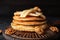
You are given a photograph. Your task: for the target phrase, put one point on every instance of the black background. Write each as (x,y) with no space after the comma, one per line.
(49,7)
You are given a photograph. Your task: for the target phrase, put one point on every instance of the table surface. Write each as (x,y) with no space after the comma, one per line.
(6,22)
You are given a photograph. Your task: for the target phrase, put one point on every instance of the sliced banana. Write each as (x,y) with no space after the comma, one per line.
(17,13)
(25,13)
(30,12)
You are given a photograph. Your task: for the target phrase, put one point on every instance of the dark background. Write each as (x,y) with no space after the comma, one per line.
(49,7)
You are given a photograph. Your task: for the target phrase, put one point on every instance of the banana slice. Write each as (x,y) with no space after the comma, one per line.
(30,12)
(25,13)
(18,13)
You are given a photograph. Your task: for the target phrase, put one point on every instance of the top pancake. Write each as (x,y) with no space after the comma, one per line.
(27,18)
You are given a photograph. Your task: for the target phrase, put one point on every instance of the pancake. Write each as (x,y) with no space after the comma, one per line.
(27,18)
(30,20)
(14,26)
(29,23)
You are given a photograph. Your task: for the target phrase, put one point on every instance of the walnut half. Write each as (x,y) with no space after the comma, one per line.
(39,30)
(9,31)
(54,29)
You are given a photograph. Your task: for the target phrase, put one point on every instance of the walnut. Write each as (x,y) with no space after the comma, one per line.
(0,31)
(39,30)
(9,31)
(54,29)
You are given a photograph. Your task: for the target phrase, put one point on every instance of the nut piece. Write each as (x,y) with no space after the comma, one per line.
(9,31)
(39,30)
(0,31)
(54,29)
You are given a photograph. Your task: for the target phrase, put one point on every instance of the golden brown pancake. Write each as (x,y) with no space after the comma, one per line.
(26,28)
(29,23)
(26,18)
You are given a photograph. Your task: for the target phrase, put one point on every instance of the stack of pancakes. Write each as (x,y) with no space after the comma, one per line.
(28,20)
